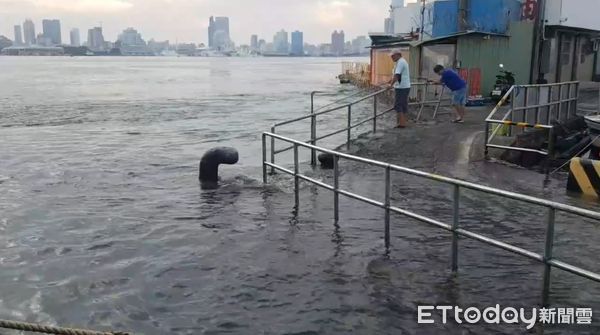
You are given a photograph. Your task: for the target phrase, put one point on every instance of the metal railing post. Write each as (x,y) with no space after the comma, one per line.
(272,149)
(336,188)
(487,139)
(388,193)
(550,105)
(576,98)
(598,99)
(296,178)
(349,126)
(569,108)
(525,102)
(512,109)
(548,255)
(375,114)
(264,157)
(551,144)
(455,222)
(313,129)
(422,99)
(560,100)
(439,103)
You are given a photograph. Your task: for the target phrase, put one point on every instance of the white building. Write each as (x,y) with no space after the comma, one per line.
(406,17)
(132,44)
(571,45)
(95,39)
(281,43)
(75,37)
(18,35)
(29,32)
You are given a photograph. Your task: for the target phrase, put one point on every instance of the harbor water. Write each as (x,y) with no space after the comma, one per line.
(103,224)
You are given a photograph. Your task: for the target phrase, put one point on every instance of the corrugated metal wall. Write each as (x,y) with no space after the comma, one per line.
(493,16)
(515,53)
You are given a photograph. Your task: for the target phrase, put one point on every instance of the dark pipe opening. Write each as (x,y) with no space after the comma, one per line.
(209,165)
(326,160)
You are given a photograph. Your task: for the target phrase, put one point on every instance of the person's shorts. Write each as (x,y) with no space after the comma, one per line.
(459,98)
(401,100)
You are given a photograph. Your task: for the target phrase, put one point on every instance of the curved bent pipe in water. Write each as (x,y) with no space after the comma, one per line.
(209,165)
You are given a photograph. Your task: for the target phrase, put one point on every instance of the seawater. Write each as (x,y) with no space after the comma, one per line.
(103,223)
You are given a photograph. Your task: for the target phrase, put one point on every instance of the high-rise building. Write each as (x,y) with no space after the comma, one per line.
(95,39)
(254,42)
(18,35)
(262,45)
(42,40)
(338,42)
(29,32)
(218,32)
(388,26)
(52,31)
(75,37)
(360,45)
(131,36)
(297,43)
(280,42)
(132,43)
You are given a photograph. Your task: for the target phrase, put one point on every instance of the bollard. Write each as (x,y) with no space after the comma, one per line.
(584,177)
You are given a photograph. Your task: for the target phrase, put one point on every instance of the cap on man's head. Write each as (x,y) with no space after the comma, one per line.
(396,53)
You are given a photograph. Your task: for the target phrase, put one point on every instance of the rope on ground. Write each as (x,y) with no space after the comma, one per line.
(577,155)
(31,327)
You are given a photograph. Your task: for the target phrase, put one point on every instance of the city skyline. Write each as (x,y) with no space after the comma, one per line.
(157,19)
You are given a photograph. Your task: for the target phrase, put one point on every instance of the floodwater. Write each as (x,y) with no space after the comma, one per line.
(103,224)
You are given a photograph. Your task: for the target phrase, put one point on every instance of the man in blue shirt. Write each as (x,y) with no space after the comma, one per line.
(459,90)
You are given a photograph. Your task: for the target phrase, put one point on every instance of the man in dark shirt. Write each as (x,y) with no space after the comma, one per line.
(459,90)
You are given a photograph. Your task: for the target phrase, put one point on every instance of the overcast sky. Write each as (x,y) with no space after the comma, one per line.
(187,20)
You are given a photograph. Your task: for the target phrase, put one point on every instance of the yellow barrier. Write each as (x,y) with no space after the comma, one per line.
(584,177)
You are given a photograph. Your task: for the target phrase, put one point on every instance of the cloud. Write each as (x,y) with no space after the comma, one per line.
(83,6)
(187,20)
(333,12)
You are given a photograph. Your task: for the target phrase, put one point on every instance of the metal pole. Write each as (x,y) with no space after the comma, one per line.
(549,111)
(422,97)
(598,99)
(548,255)
(375,114)
(272,149)
(264,157)
(296,178)
(551,143)
(576,98)
(487,138)
(349,126)
(313,129)
(512,104)
(336,187)
(437,107)
(569,102)
(560,99)
(525,102)
(388,192)
(455,223)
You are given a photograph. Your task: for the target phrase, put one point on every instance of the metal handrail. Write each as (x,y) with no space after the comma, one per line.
(546,258)
(348,106)
(509,121)
(333,109)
